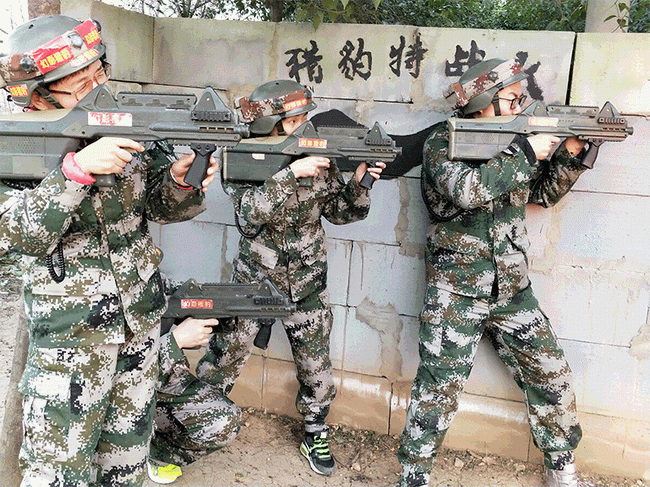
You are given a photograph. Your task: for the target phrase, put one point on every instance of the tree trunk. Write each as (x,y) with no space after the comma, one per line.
(276,10)
(37,8)
(12,432)
(599,10)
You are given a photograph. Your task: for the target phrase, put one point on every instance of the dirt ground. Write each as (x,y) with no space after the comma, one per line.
(266,451)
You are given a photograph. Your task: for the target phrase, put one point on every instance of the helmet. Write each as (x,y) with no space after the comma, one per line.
(478,87)
(271,102)
(45,50)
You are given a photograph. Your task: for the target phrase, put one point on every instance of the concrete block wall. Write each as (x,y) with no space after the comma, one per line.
(589,256)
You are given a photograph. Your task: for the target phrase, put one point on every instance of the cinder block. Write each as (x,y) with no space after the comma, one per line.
(614,446)
(399,405)
(386,277)
(280,388)
(603,375)
(203,251)
(339,254)
(397,217)
(132,61)
(490,426)
(622,79)
(361,402)
(247,391)
(200,52)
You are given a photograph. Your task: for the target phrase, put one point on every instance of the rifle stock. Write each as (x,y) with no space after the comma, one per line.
(257,159)
(33,143)
(228,302)
(484,138)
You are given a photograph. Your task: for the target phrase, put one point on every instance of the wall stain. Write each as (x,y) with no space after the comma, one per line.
(409,249)
(640,344)
(388,324)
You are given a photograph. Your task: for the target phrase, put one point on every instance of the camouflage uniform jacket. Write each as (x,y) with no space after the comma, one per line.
(292,248)
(174,368)
(483,247)
(111,262)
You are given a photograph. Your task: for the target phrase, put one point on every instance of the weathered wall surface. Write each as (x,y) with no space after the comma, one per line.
(589,260)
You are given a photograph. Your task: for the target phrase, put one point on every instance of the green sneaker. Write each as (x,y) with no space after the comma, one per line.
(163,474)
(315,448)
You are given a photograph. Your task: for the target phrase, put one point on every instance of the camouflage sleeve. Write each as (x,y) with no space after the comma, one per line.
(257,204)
(32,221)
(166,202)
(350,204)
(172,364)
(555,177)
(467,185)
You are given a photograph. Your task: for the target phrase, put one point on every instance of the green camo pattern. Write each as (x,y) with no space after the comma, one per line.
(98,328)
(291,250)
(477,283)
(192,418)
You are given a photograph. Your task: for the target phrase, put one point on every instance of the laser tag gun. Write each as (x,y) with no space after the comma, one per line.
(484,138)
(227,303)
(257,159)
(33,143)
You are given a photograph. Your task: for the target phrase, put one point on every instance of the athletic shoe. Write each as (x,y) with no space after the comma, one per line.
(163,474)
(315,448)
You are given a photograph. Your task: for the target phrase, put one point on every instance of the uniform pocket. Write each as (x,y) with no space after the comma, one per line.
(265,256)
(47,414)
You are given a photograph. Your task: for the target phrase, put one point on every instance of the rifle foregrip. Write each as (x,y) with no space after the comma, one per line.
(367,180)
(199,168)
(264,334)
(104,180)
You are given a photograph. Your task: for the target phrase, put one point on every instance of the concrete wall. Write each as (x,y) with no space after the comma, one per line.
(589,259)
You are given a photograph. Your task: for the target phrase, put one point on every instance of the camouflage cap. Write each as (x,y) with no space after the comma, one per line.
(491,75)
(46,49)
(273,101)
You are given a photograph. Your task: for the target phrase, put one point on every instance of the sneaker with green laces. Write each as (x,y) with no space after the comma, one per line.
(163,474)
(315,448)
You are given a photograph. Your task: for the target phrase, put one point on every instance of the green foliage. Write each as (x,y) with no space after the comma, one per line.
(634,17)
(488,14)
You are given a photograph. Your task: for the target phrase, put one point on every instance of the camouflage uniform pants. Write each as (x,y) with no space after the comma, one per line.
(88,414)
(450,330)
(192,424)
(308,330)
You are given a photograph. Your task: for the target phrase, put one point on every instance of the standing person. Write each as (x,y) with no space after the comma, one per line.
(478,281)
(289,247)
(93,293)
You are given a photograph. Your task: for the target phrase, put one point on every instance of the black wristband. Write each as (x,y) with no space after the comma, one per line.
(524,145)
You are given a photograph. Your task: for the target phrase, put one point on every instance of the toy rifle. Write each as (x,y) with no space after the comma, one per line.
(484,138)
(33,143)
(257,159)
(228,302)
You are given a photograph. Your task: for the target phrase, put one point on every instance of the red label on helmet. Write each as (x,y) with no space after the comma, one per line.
(196,304)
(88,31)
(292,105)
(313,143)
(18,90)
(110,119)
(52,55)
(84,57)
(59,51)
(542,122)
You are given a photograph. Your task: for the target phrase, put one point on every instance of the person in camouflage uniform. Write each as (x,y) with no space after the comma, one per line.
(93,293)
(192,418)
(477,276)
(290,248)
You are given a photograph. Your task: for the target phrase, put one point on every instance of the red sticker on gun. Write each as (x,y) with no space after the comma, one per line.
(313,143)
(109,118)
(196,304)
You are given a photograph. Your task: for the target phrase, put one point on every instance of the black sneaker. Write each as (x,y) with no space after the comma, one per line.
(315,448)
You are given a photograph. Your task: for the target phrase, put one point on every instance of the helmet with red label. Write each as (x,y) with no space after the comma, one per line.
(479,86)
(271,102)
(45,50)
